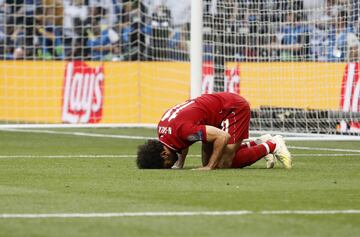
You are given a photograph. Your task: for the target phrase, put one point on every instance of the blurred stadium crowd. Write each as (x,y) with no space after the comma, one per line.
(119,30)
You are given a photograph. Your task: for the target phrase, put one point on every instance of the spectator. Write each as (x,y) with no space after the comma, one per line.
(161,27)
(135,30)
(321,23)
(341,43)
(76,22)
(112,8)
(354,10)
(22,13)
(2,30)
(292,36)
(346,45)
(14,38)
(314,10)
(50,30)
(170,29)
(102,39)
(180,10)
(18,40)
(353,48)
(2,20)
(318,42)
(178,44)
(128,30)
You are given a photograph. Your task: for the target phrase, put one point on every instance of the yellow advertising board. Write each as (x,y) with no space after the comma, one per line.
(140,92)
(162,85)
(131,92)
(310,85)
(31,91)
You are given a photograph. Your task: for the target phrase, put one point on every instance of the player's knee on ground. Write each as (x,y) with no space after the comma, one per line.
(228,155)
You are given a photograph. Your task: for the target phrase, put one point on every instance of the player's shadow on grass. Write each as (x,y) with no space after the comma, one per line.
(193,168)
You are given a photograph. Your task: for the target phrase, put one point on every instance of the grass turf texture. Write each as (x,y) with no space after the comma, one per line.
(114,184)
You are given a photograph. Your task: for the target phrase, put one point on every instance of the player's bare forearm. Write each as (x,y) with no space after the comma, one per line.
(219,140)
(219,145)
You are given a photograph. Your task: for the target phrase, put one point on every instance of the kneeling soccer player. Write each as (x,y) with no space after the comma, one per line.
(221,122)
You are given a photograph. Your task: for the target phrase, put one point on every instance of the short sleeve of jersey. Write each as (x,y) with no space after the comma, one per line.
(192,133)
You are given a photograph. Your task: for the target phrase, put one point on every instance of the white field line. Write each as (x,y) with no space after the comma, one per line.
(71,156)
(84,134)
(322,149)
(66,156)
(107,125)
(171,214)
(326,155)
(145,138)
(297,136)
(304,137)
(292,136)
(338,138)
(134,156)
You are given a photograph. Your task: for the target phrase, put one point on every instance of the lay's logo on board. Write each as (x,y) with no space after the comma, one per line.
(83,93)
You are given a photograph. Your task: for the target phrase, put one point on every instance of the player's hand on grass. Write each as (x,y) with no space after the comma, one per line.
(177,166)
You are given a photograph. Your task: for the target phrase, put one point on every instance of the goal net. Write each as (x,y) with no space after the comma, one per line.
(295,61)
(108,62)
(94,62)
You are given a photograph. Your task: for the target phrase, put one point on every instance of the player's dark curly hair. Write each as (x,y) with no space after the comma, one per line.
(148,155)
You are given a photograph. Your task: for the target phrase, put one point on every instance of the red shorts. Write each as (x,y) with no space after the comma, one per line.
(237,123)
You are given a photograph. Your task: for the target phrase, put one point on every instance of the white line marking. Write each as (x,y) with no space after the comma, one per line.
(310,212)
(87,125)
(296,136)
(30,130)
(67,156)
(185,213)
(322,149)
(80,134)
(70,156)
(134,156)
(309,155)
(146,137)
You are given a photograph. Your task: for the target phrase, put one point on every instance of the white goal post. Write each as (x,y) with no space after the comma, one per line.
(196,53)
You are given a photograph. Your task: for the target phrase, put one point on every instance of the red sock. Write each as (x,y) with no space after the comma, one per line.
(270,146)
(246,156)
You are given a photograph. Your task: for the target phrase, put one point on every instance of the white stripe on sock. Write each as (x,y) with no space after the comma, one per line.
(266,147)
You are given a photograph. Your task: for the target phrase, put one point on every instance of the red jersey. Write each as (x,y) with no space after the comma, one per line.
(184,124)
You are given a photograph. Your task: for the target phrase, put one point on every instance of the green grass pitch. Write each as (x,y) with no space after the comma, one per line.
(61,172)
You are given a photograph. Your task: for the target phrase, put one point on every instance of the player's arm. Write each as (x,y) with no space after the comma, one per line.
(219,139)
(179,164)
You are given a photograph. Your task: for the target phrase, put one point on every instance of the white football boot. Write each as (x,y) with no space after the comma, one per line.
(281,152)
(269,158)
